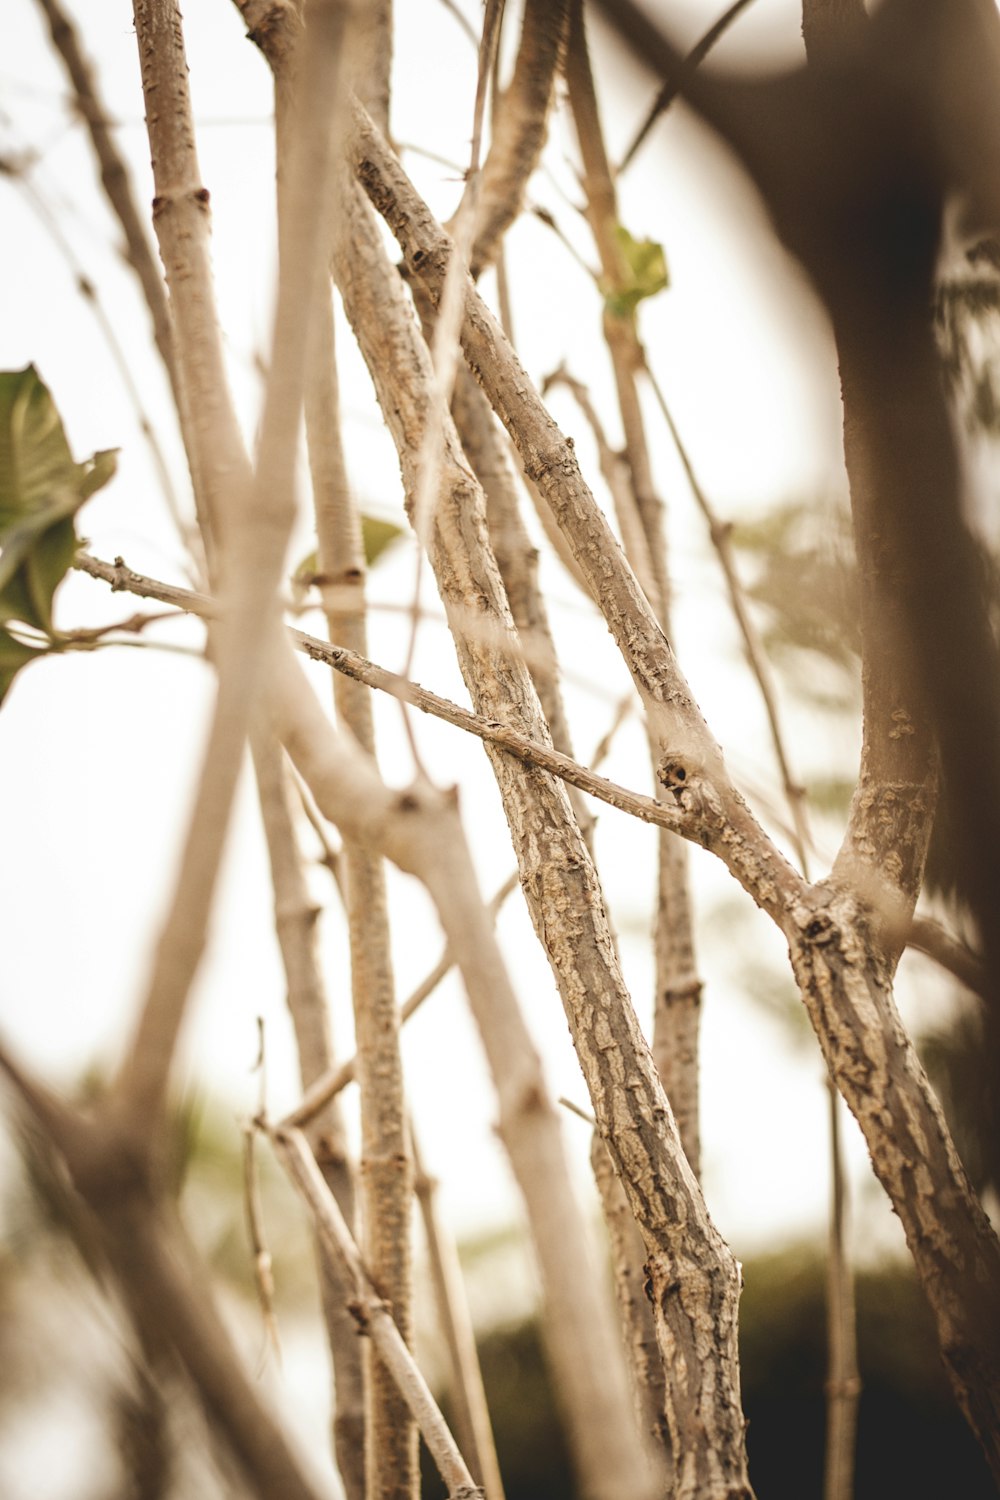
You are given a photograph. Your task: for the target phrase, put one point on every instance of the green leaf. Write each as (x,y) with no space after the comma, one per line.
(646,266)
(377,536)
(14,655)
(41,489)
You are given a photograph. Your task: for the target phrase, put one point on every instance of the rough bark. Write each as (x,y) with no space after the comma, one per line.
(717,818)
(390,1457)
(694,1280)
(520,122)
(295,921)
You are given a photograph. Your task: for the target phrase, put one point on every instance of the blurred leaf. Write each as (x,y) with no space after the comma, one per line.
(378,536)
(646,263)
(957,1060)
(968,328)
(41,489)
(805,581)
(14,655)
(831,794)
(303,578)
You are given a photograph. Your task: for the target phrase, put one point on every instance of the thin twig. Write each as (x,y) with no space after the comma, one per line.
(371,1313)
(928,936)
(472,1417)
(446,351)
(337,1079)
(673,86)
(721,537)
(534,752)
(263,1274)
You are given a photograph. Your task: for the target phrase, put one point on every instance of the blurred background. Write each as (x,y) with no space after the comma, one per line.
(99,751)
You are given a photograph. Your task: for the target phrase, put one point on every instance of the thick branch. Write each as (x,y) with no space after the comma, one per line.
(567,909)
(727,829)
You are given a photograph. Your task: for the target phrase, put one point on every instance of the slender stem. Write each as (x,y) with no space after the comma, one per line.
(678,988)
(295,923)
(333,1082)
(472,1417)
(520,119)
(389,1451)
(117,183)
(672,87)
(925,934)
(251,515)
(372,1313)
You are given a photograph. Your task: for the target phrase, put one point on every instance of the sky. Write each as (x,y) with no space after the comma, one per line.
(99,752)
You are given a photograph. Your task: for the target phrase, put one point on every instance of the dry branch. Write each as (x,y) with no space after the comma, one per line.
(372,1313)
(567,909)
(519,126)
(832,931)
(386,1170)
(295,923)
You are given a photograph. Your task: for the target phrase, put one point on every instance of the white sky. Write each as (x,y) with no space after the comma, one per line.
(99,751)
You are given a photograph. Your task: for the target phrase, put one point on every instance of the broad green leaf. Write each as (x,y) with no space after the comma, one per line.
(646,263)
(41,489)
(14,655)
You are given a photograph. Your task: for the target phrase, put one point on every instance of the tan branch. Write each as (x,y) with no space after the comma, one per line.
(252,515)
(829,930)
(372,1314)
(472,1417)
(533,752)
(520,122)
(295,923)
(567,909)
(386,1171)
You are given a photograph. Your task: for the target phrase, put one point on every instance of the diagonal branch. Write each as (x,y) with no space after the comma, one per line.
(371,1312)
(832,932)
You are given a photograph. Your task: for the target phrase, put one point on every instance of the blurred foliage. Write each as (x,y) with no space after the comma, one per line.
(645,264)
(801,556)
(731,931)
(912,1439)
(205,1173)
(41,490)
(967,315)
(957,1060)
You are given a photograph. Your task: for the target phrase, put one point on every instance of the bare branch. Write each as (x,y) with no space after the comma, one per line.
(252,516)
(472,1417)
(520,123)
(672,87)
(372,1314)
(295,923)
(532,751)
(834,947)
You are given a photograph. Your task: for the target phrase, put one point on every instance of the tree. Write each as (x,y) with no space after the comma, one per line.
(857,192)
